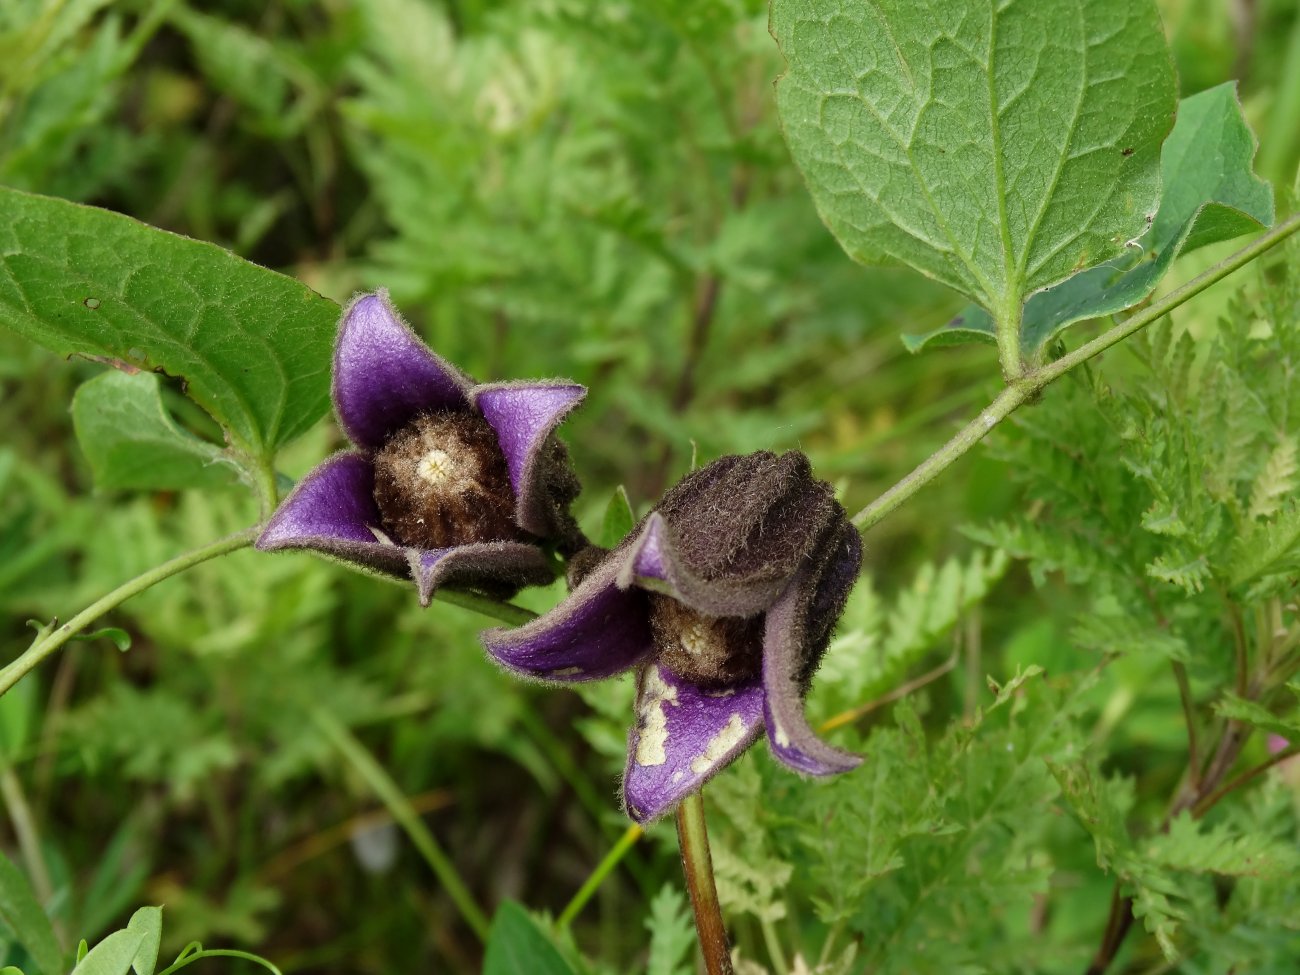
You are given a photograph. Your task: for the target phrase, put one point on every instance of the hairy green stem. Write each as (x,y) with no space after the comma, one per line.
(1030,384)
(934,465)
(201,953)
(265,486)
(693,839)
(405,816)
(507,613)
(50,640)
(1007,330)
(603,870)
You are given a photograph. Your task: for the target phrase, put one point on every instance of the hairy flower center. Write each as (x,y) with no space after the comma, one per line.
(436,467)
(442,480)
(711,651)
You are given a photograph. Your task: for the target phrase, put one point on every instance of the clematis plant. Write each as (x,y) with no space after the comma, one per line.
(449,482)
(723,598)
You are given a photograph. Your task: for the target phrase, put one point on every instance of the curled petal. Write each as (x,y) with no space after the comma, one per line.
(684,735)
(495,567)
(785,664)
(654,560)
(598,631)
(524,415)
(332,510)
(384,376)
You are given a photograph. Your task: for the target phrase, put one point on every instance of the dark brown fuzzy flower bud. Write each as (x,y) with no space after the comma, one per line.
(442,480)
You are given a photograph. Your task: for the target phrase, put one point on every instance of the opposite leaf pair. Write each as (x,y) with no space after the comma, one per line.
(723,598)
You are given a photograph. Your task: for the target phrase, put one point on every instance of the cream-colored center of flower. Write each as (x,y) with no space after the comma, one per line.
(699,639)
(436,467)
(442,480)
(711,651)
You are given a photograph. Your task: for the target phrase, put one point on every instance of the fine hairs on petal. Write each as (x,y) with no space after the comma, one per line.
(497,570)
(384,375)
(798,628)
(747,556)
(682,737)
(436,491)
(525,415)
(598,631)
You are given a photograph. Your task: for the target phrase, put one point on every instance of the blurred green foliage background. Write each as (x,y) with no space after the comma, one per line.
(599,190)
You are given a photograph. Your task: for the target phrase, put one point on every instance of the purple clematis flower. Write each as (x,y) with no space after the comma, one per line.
(450,482)
(723,598)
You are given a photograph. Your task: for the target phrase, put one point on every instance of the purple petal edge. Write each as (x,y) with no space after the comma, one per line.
(331,511)
(684,735)
(385,376)
(524,415)
(432,568)
(651,558)
(791,738)
(599,630)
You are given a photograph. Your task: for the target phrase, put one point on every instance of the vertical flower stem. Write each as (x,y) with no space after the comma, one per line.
(399,806)
(693,839)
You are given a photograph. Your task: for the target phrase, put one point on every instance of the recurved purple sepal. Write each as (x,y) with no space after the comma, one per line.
(332,510)
(524,415)
(598,631)
(684,734)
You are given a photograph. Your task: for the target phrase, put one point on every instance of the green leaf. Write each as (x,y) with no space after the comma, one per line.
(131,441)
(252,346)
(112,956)
(1210,194)
(997,148)
(22,914)
(1101,805)
(618,519)
(517,946)
(1191,846)
(147,921)
(1239,709)
(1266,547)
(11,970)
(1116,631)
(672,933)
(121,639)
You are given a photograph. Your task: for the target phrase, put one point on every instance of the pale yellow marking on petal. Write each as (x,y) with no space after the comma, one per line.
(779,736)
(720,744)
(653,733)
(566,672)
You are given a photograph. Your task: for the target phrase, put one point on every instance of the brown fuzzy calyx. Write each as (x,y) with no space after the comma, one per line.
(442,480)
(711,651)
